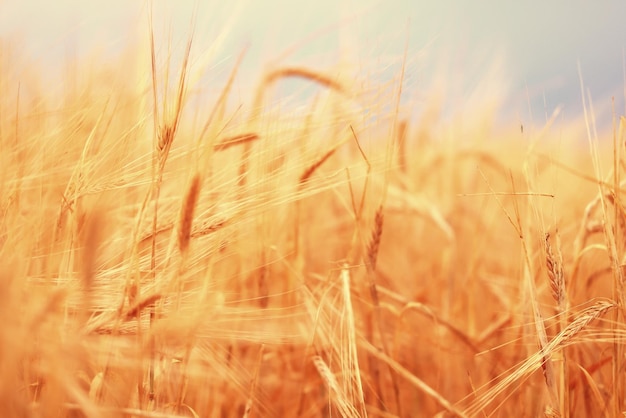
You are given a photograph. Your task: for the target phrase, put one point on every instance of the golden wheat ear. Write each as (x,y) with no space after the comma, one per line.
(187,213)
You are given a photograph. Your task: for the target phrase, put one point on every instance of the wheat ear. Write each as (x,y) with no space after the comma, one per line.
(186,214)
(554,265)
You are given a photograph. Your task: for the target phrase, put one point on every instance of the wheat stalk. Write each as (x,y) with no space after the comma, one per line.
(535,361)
(338,397)
(253,384)
(554,265)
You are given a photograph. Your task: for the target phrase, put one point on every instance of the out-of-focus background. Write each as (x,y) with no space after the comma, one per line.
(525,55)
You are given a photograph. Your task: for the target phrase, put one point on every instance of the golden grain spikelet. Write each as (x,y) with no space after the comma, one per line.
(186,215)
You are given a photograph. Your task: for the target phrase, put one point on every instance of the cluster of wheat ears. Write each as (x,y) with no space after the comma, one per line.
(159,259)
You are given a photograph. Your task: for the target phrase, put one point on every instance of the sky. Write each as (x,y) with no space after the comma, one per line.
(534,49)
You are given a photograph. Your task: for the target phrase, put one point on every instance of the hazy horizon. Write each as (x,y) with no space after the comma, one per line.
(531,50)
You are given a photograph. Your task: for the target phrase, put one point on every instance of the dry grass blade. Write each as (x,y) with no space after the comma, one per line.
(235,140)
(91,242)
(136,309)
(351,358)
(309,171)
(255,379)
(437,320)
(338,397)
(413,380)
(546,362)
(595,391)
(401,201)
(402,151)
(220,105)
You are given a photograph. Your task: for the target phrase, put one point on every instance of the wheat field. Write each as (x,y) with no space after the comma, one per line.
(164,257)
